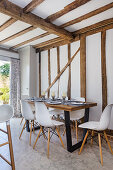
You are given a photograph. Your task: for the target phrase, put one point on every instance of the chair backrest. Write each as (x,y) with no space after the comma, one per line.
(6,113)
(26,110)
(42,114)
(105,117)
(111,120)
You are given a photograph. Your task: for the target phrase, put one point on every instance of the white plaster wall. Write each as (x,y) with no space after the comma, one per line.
(33,72)
(44,71)
(93,74)
(29,74)
(25,70)
(64,77)
(109,65)
(75,71)
(53,66)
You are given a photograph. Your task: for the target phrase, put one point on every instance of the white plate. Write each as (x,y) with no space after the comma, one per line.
(76,103)
(54,102)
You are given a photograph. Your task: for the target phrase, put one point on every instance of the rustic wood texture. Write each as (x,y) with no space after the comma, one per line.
(32,5)
(83,66)
(89,30)
(30,40)
(16,12)
(58,66)
(66,9)
(103,69)
(17,34)
(69,75)
(49,72)
(88,15)
(7,24)
(95,26)
(61,72)
(39,74)
(43,44)
(69,107)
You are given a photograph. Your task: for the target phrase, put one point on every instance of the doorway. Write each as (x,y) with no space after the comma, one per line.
(4,82)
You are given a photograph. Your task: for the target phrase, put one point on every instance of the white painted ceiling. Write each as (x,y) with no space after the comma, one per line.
(47,8)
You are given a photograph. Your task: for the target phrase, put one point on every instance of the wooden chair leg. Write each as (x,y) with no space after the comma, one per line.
(10,147)
(83,143)
(22,130)
(33,127)
(30,133)
(108,142)
(77,130)
(60,137)
(100,147)
(37,137)
(92,134)
(48,142)
(21,120)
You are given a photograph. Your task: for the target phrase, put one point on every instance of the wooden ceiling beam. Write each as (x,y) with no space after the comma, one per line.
(88,15)
(32,5)
(45,43)
(68,8)
(93,29)
(7,24)
(30,40)
(94,26)
(17,12)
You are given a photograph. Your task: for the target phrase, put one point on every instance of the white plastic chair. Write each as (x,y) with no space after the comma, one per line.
(27,113)
(6,113)
(77,115)
(24,97)
(99,127)
(44,119)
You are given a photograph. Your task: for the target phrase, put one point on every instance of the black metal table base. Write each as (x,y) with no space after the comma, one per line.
(28,128)
(71,147)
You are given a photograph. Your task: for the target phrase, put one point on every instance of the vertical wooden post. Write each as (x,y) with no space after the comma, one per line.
(103,69)
(83,65)
(69,77)
(58,66)
(39,74)
(49,72)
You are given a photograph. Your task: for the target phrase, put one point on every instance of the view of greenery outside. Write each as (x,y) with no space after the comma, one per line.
(4,82)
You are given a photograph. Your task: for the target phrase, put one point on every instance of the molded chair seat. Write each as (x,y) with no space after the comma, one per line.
(91,125)
(6,113)
(100,127)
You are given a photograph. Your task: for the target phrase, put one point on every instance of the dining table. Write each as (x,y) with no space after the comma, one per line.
(68,106)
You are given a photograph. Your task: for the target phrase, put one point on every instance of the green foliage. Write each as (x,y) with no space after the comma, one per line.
(5,96)
(5,69)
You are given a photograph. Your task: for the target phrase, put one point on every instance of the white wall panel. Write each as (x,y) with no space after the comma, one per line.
(44,70)
(53,65)
(64,76)
(109,63)
(75,71)
(93,74)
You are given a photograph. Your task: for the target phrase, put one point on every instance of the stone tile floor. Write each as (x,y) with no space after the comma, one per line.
(28,159)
